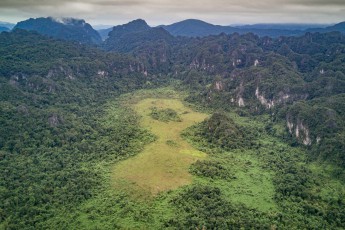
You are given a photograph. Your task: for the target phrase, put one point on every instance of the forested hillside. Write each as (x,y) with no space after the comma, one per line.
(270,154)
(261,75)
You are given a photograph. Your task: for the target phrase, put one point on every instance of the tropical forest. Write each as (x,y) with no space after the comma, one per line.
(148,129)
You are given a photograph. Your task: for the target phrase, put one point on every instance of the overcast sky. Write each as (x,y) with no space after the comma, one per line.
(156,12)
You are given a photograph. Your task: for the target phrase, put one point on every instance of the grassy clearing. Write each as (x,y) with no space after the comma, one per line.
(162,165)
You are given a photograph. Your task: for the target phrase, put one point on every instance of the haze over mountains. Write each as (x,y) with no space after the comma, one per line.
(79,30)
(4,29)
(7,25)
(198,28)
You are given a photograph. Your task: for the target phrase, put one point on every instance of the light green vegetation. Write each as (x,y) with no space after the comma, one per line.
(252,185)
(163,164)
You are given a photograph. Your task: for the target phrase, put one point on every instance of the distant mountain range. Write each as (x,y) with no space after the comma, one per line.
(67,29)
(79,30)
(7,25)
(285,26)
(198,28)
(2,28)
(337,27)
(104,33)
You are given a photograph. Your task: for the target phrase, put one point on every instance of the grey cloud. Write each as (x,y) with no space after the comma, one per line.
(167,11)
(38,3)
(23,3)
(119,3)
(318,2)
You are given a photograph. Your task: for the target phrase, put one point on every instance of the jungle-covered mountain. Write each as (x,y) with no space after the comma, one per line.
(65,28)
(63,122)
(127,37)
(117,32)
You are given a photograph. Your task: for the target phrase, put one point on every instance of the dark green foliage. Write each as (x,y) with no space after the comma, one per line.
(53,134)
(296,194)
(27,53)
(211,169)
(151,45)
(172,143)
(297,189)
(204,207)
(47,166)
(164,115)
(324,118)
(221,131)
(48,154)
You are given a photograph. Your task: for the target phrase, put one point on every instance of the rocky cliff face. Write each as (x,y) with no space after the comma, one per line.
(300,131)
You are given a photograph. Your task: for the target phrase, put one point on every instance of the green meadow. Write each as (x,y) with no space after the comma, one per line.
(163,164)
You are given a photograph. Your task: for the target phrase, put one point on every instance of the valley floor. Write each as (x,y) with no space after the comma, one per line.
(164,163)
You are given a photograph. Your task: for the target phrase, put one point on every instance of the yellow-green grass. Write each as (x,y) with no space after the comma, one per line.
(162,165)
